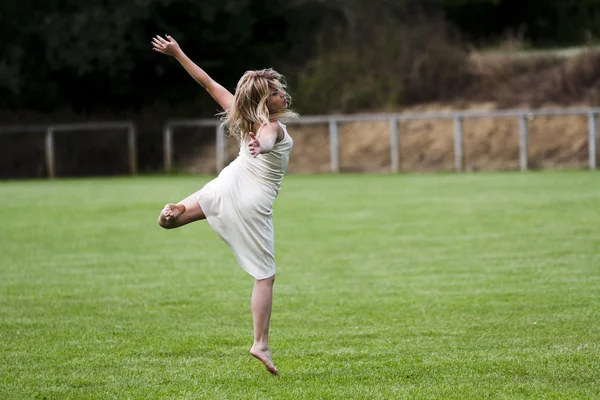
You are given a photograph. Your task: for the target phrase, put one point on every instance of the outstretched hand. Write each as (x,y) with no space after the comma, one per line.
(254,145)
(166,46)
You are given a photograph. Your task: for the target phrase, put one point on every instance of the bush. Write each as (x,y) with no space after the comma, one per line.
(395,63)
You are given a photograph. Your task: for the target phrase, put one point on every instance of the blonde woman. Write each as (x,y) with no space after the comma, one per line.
(238,203)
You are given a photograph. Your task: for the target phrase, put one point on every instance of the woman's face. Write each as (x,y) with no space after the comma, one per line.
(277,100)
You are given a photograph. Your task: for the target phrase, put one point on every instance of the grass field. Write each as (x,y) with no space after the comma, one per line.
(389,286)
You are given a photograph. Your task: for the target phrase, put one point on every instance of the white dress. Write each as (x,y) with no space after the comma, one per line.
(238,205)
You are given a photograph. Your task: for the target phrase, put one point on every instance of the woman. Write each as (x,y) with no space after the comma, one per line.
(238,203)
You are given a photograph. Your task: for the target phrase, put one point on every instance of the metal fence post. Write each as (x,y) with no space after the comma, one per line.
(132,143)
(592,139)
(458,143)
(334,142)
(49,150)
(220,148)
(168,148)
(523,142)
(394,144)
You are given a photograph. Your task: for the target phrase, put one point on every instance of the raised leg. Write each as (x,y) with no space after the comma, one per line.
(186,211)
(262,301)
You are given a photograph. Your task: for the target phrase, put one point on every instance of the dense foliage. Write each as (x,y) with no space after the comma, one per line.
(95,56)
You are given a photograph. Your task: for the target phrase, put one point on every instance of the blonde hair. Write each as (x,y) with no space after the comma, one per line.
(250,103)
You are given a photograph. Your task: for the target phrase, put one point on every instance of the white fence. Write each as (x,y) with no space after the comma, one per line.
(523,117)
(51,130)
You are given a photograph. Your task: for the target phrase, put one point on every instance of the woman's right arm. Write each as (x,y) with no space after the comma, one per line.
(170,47)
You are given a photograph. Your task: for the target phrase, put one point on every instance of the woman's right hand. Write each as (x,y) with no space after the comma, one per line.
(168,46)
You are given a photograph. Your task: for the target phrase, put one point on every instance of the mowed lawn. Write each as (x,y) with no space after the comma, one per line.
(389,287)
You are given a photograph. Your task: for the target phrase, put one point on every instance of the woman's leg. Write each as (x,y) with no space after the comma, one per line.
(186,211)
(262,301)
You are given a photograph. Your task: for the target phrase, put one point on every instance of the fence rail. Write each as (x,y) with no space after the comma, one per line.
(523,117)
(332,121)
(51,130)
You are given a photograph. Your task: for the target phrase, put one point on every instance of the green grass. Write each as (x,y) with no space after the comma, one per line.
(389,286)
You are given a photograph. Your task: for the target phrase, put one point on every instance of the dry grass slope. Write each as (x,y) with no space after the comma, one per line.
(498,82)
(490,144)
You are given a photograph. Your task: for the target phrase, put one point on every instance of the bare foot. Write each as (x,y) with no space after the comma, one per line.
(265,357)
(171,212)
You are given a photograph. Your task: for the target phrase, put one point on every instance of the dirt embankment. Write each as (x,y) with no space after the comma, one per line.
(487,83)
(428,145)
(507,81)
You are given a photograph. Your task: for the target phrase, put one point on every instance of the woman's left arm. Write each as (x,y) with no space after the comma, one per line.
(266,140)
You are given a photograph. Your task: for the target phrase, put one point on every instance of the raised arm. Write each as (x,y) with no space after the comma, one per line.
(170,47)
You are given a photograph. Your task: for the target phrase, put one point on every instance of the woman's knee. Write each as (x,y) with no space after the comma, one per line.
(266,281)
